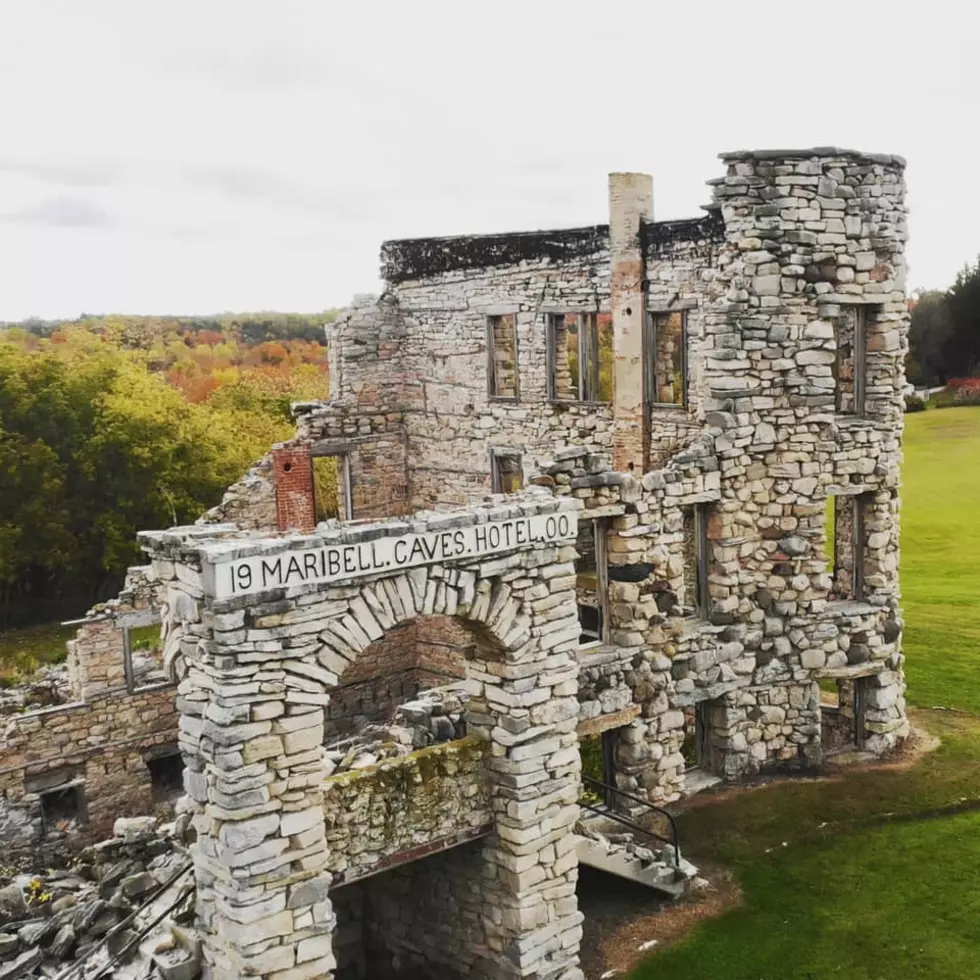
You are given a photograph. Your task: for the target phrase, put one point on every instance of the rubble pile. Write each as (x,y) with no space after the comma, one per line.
(433,716)
(97,917)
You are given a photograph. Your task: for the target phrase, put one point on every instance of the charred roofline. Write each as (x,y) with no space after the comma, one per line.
(404,259)
(419,258)
(659,237)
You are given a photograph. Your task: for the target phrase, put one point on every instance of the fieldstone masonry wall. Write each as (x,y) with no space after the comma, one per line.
(721,613)
(69,770)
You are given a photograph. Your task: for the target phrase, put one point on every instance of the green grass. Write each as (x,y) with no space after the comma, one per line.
(23,651)
(940,552)
(873,875)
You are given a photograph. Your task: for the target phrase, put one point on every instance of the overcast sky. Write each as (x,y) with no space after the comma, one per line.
(194,157)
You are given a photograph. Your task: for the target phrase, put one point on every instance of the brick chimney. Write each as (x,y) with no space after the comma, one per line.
(630,204)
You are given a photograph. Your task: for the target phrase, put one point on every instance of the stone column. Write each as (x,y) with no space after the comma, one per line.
(630,204)
(525,703)
(251,730)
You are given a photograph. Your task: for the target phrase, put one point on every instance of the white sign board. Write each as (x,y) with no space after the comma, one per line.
(342,562)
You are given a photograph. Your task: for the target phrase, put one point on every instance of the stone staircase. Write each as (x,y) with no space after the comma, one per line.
(661,873)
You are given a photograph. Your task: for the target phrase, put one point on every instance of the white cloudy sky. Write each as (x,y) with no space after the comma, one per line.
(209,155)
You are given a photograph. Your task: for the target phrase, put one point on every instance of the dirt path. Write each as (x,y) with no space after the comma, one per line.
(625,921)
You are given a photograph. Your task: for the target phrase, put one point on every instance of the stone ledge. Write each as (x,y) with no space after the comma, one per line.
(605,723)
(858,670)
(604,653)
(415,853)
(888,159)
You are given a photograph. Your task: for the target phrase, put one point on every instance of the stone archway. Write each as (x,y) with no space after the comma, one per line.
(280,620)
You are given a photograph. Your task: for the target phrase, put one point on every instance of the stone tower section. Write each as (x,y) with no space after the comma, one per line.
(630,205)
(805,341)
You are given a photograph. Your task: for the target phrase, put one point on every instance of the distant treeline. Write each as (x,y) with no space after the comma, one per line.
(944,341)
(249,328)
(111,425)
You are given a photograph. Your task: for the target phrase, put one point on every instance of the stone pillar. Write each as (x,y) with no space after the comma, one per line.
(251,731)
(533,926)
(630,204)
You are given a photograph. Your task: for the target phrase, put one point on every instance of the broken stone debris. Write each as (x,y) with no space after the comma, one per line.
(433,716)
(94,911)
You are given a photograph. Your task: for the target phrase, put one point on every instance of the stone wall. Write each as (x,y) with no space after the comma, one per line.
(414,918)
(399,811)
(67,771)
(97,753)
(722,615)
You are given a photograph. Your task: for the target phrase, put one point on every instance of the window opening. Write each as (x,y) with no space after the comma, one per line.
(332,487)
(507,473)
(850,333)
(143,657)
(845,535)
(502,356)
(166,775)
(62,807)
(696,594)
(666,359)
(590,582)
(581,358)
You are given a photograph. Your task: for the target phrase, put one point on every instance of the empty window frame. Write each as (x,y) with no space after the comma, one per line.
(506,471)
(666,359)
(591,582)
(845,545)
(332,498)
(502,376)
(581,359)
(63,807)
(143,657)
(696,747)
(696,595)
(850,365)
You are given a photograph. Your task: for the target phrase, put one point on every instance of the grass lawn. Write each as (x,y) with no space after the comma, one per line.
(940,549)
(23,651)
(873,875)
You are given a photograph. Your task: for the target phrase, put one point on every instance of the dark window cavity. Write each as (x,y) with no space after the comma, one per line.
(591,582)
(696,595)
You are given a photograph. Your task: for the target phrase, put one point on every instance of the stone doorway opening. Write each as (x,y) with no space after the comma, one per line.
(700,755)
(413,922)
(843,715)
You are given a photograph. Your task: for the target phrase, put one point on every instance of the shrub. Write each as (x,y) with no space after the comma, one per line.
(960,391)
(913,403)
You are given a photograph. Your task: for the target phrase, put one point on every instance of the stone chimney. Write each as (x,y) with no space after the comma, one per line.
(630,204)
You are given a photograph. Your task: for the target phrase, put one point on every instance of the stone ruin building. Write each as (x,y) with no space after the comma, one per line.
(627,493)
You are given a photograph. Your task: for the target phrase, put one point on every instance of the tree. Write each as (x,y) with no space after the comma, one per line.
(928,334)
(961,348)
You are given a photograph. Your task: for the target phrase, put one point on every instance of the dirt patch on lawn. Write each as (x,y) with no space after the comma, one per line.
(625,922)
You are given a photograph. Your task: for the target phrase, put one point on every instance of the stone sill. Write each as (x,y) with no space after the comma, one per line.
(605,723)
(694,626)
(857,670)
(846,608)
(599,654)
